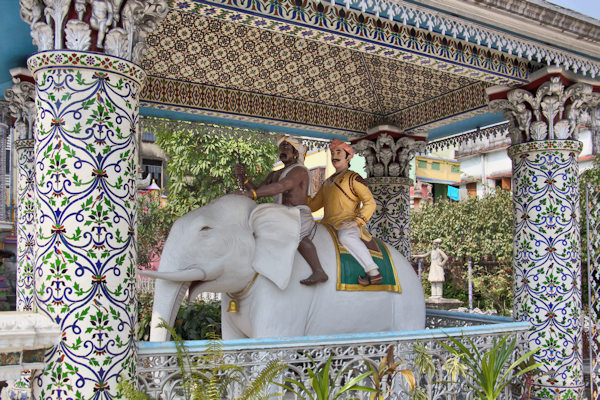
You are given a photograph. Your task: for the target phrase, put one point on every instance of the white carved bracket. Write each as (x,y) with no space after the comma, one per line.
(21,103)
(554,112)
(389,157)
(121,27)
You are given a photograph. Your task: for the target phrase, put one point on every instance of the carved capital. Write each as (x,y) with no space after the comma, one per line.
(388,157)
(120,27)
(552,112)
(21,103)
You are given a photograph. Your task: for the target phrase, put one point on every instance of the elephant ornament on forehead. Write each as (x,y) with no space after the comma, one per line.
(248,252)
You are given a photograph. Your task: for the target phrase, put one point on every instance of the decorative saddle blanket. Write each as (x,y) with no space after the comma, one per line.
(348,269)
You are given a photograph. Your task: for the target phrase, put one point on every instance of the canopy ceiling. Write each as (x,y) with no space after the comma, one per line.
(328,68)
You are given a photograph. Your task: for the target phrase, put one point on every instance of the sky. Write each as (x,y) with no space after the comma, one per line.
(587,7)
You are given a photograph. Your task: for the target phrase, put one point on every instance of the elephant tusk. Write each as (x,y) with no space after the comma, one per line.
(191,274)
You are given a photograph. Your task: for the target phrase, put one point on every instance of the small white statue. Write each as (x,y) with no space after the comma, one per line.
(102,17)
(436,269)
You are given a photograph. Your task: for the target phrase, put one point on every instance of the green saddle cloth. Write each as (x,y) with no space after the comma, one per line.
(348,269)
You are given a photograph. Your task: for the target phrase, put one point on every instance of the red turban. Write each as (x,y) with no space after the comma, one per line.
(344,146)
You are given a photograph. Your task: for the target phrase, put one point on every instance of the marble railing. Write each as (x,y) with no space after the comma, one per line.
(159,374)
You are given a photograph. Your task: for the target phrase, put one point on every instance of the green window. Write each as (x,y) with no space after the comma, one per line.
(435,166)
(455,169)
(422,164)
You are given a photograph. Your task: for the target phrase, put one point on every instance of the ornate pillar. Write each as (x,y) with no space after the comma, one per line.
(544,121)
(21,98)
(85,172)
(388,154)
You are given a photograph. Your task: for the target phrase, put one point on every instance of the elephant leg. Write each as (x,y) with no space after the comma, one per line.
(168,296)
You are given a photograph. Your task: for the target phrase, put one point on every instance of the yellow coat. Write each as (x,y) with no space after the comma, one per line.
(342,197)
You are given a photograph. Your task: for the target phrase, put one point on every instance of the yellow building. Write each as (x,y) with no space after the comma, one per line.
(440,172)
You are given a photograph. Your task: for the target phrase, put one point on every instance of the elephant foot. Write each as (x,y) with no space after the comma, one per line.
(316,277)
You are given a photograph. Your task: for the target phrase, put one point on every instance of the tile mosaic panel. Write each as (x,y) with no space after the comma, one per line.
(391,220)
(25,226)
(85,183)
(547,265)
(337,25)
(593,248)
(245,58)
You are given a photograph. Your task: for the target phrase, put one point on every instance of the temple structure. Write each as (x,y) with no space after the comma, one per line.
(387,75)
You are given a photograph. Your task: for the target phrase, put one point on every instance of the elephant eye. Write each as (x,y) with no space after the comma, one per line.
(206,228)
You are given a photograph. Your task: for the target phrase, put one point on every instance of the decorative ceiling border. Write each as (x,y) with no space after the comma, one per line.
(442,107)
(204,99)
(195,98)
(500,130)
(334,25)
(385,14)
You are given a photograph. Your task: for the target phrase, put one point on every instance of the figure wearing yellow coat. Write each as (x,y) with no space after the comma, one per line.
(341,197)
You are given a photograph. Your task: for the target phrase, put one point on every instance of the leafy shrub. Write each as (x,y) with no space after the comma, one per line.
(476,228)
(199,320)
(195,321)
(154,224)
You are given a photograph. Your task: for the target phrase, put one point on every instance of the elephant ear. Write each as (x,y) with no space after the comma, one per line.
(277,234)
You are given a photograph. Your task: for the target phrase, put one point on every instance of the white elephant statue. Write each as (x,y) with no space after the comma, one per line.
(238,248)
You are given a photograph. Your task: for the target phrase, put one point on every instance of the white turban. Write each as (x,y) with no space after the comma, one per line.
(297,145)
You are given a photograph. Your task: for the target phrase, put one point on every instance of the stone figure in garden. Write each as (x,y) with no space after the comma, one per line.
(436,269)
(290,187)
(348,204)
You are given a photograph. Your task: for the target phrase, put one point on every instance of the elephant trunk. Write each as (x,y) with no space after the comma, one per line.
(168,296)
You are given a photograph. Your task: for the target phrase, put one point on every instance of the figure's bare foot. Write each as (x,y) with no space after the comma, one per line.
(316,277)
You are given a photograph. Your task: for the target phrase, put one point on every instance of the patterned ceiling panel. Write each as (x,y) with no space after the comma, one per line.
(207,51)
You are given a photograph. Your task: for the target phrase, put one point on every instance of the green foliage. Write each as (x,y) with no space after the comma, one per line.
(126,389)
(592,177)
(195,321)
(489,370)
(479,228)
(322,387)
(199,320)
(144,309)
(153,224)
(200,164)
(209,377)
(386,372)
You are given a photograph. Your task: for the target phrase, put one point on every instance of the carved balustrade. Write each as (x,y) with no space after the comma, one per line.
(158,372)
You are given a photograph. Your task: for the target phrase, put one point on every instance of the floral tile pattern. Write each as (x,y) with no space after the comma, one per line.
(547,273)
(25,226)
(86,164)
(391,220)
(242,70)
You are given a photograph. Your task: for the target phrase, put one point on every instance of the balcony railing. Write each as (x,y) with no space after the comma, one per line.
(159,376)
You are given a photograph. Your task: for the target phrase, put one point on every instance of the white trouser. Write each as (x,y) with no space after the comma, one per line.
(350,239)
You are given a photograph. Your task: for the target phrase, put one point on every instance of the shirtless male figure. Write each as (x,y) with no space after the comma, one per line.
(290,188)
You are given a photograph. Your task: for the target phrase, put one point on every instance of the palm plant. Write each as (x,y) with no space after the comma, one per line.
(488,370)
(385,374)
(209,377)
(322,387)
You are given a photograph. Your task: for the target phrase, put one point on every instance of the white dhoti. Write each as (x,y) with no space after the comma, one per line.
(350,239)
(307,223)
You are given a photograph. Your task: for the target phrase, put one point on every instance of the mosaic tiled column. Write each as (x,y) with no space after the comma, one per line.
(547,271)
(85,175)
(390,221)
(388,155)
(25,225)
(544,117)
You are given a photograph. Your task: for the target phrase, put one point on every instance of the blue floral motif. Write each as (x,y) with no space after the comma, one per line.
(86,166)
(546,264)
(391,221)
(25,226)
